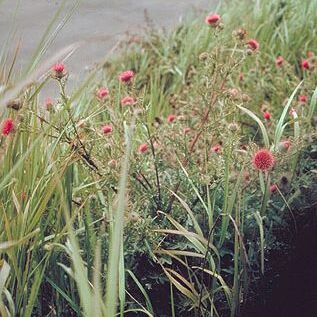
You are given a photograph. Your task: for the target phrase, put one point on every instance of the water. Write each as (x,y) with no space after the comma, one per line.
(93,18)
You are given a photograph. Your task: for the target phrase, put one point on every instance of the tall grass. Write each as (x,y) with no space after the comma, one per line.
(77,230)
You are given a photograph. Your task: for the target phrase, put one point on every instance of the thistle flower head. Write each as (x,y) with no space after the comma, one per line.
(171,118)
(7,127)
(305,64)
(263,160)
(58,71)
(106,129)
(128,101)
(126,76)
(213,19)
(216,148)
(102,93)
(279,61)
(143,148)
(253,44)
(267,115)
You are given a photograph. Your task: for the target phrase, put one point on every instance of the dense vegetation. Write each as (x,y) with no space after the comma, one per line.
(169,173)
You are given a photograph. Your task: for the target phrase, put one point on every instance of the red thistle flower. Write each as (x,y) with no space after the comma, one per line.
(263,160)
(279,61)
(273,188)
(171,118)
(267,115)
(102,93)
(216,148)
(212,19)
(253,44)
(127,101)
(305,64)
(126,76)
(143,148)
(302,99)
(7,127)
(106,129)
(49,103)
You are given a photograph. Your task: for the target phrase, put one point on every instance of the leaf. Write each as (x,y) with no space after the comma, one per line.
(260,123)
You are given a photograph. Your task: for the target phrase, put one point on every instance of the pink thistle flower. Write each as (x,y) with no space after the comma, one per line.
(212,19)
(187,130)
(216,148)
(127,101)
(263,160)
(126,76)
(106,129)
(58,70)
(102,93)
(171,118)
(253,44)
(302,99)
(279,61)
(143,148)
(7,127)
(267,115)
(49,102)
(305,64)
(273,188)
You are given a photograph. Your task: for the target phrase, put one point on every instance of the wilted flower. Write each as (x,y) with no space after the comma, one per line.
(143,148)
(102,93)
(127,101)
(279,61)
(126,76)
(240,33)
(283,146)
(15,104)
(233,126)
(213,19)
(253,44)
(7,127)
(233,93)
(106,129)
(263,160)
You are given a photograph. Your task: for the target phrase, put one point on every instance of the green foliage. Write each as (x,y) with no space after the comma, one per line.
(91,226)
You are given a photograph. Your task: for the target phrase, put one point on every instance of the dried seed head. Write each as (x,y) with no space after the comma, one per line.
(15,104)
